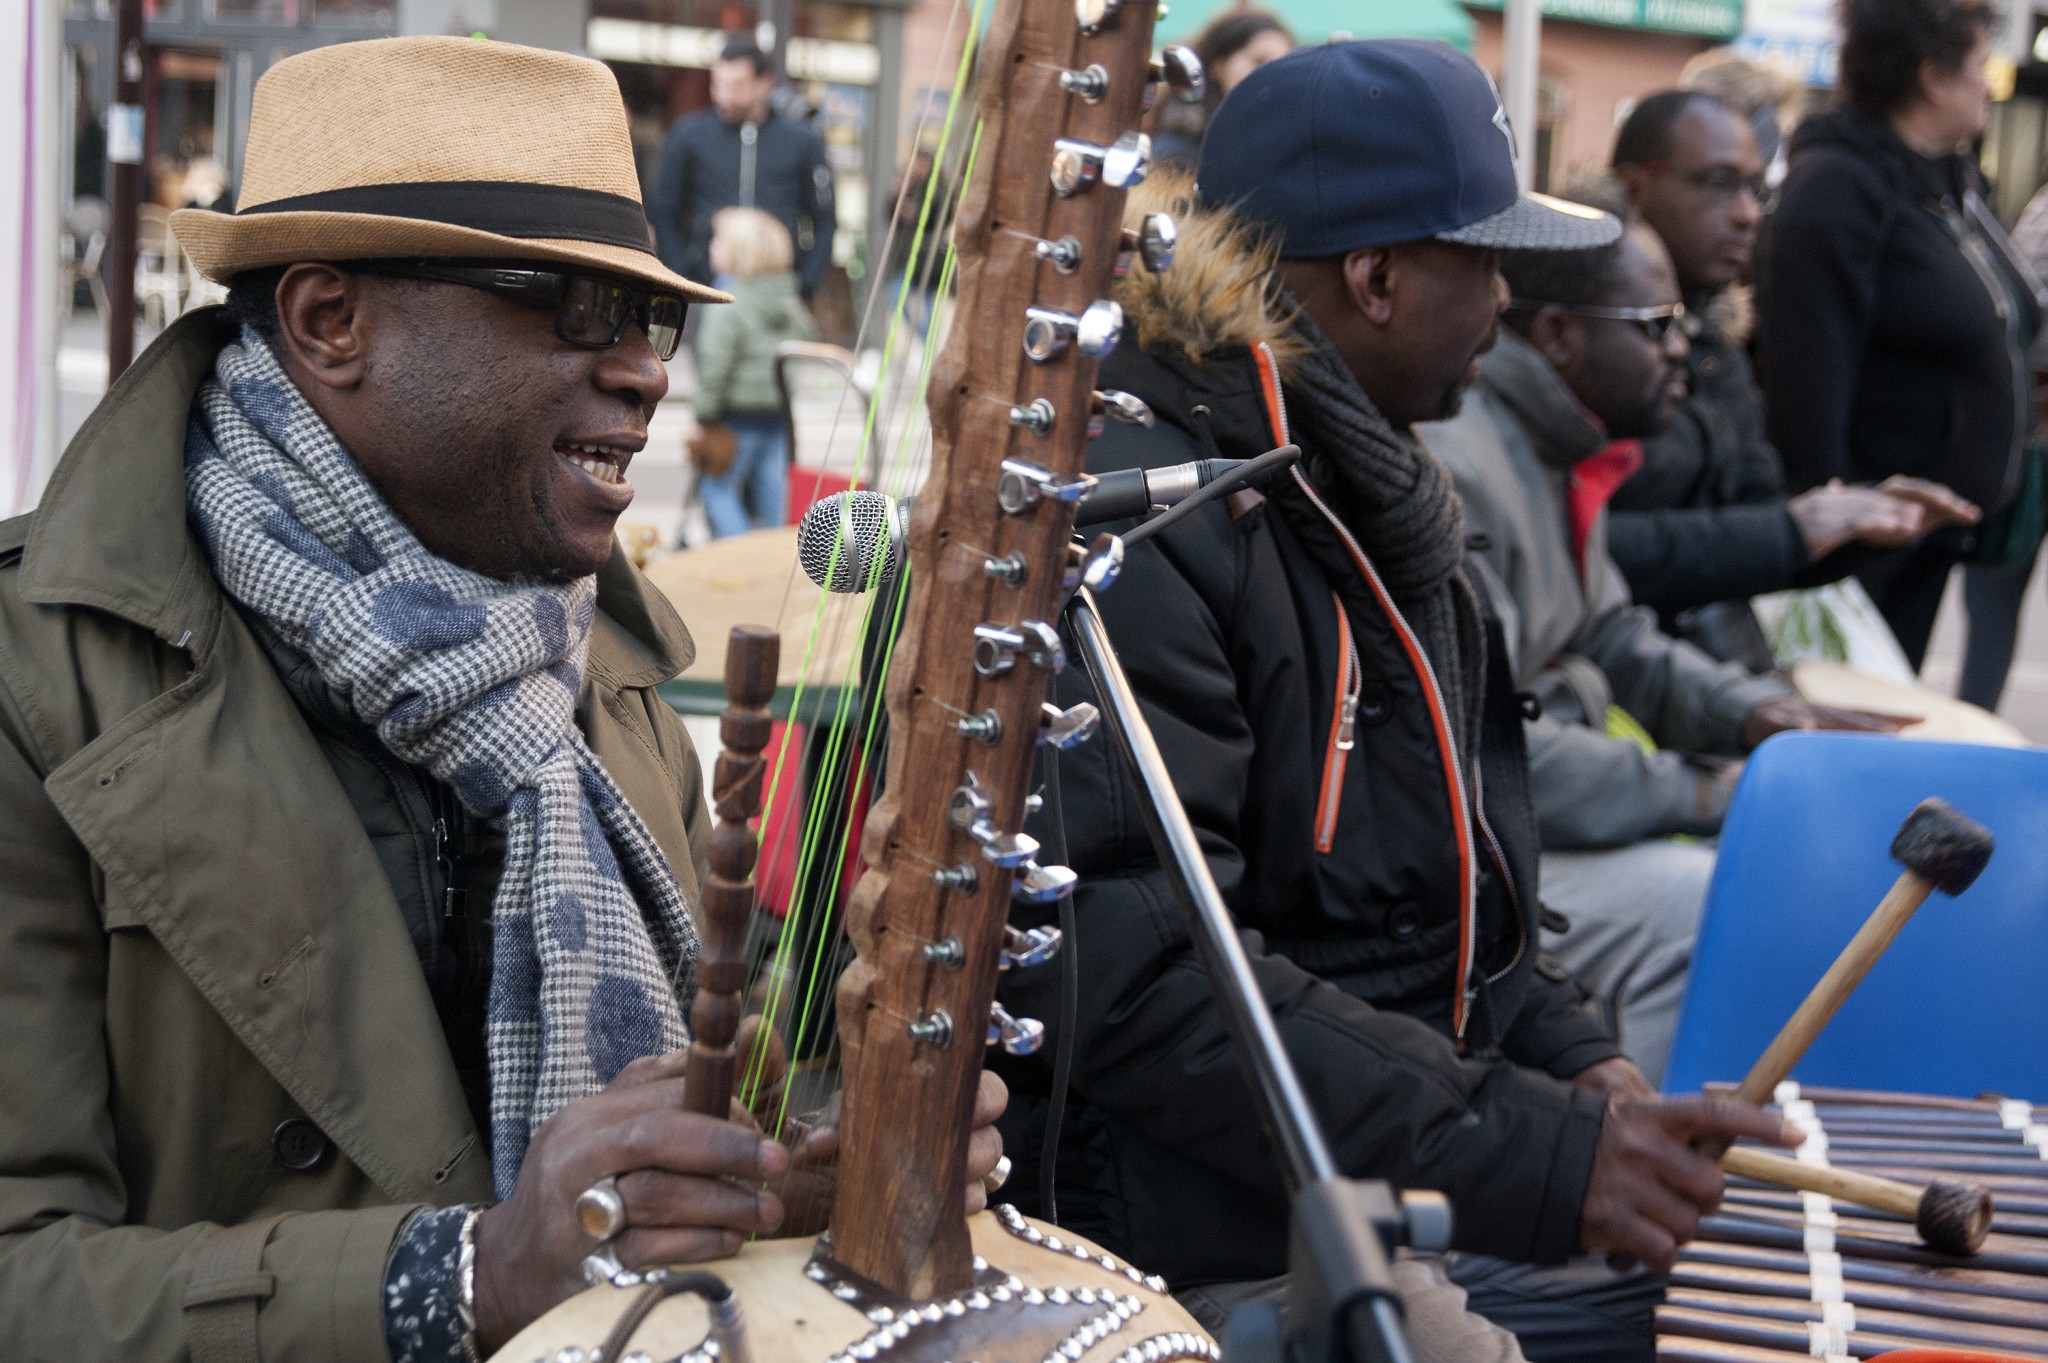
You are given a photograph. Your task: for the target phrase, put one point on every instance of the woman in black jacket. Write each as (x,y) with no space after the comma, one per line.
(1896,315)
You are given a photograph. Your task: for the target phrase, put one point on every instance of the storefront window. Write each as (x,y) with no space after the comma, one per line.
(104,9)
(370,13)
(254,11)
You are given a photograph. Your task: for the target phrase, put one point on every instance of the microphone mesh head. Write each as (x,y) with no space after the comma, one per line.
(862,527)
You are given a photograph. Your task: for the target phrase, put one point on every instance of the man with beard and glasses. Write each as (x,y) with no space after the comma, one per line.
(347,854)
(1331,696)
(1706,523)
(1635,731)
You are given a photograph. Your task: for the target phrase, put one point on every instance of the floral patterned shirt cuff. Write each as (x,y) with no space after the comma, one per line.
(421,1324)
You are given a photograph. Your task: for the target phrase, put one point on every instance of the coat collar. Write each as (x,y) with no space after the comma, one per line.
(111,531)
(1515,374)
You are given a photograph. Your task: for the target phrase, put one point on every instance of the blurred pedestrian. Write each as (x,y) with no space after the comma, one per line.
(739,152)
(736,387)
(1235,44)
(1897,316)
(1706,524)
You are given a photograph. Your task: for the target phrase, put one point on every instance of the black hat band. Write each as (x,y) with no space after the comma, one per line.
(504,208)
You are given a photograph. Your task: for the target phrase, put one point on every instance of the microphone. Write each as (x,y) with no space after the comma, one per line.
(866,526)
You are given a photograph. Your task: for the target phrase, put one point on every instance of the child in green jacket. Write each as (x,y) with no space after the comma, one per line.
(750,250)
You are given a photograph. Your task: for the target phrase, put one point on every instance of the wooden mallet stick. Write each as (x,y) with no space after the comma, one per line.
(752,655)
(1953,1218)
(1941,850)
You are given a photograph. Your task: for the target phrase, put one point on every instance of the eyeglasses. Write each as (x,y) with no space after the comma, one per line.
(1656,322)
(1719,183)
(590,310)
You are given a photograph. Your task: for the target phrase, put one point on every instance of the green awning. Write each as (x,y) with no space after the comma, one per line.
(1317,21)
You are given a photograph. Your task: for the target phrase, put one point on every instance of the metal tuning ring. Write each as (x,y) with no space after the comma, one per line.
(1037,416)
(1048,331)
(971,812)
(1090,83)
(949,953)
(986,726)
(1096,567)
(1018,1036)
(1011,569)
(1122,407)
(996,647)
(935,1031)
(1035,884)
(1076,164)
(963,877)
(1022,485)
(1094,15)
(1179,70)
(1023,949)
(1064,729)
(1153,240)
(1063,255)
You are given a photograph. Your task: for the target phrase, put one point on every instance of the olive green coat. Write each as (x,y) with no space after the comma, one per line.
(197,943)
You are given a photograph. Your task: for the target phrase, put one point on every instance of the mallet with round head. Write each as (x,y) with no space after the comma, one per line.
(1952,1217)
(1941,850)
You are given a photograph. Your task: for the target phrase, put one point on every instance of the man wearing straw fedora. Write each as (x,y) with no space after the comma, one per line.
(347,854)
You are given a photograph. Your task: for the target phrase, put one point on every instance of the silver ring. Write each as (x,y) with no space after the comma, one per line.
(994,1179)
(600,1210)
(603,1267)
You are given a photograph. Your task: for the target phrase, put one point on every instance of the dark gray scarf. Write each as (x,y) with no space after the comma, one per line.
(1397,500)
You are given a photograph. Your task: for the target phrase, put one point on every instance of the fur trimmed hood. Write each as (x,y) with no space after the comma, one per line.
(1223,290)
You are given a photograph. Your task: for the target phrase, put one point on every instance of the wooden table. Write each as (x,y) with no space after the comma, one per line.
(753,579)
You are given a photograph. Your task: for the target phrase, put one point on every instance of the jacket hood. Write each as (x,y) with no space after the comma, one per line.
(1221,294)
(1872,140)
(1515,374)
(1844,127)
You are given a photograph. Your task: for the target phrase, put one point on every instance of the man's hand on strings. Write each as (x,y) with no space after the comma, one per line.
(813,1177)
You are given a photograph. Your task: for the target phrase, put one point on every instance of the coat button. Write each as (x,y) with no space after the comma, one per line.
(301,1146)
(1405,921)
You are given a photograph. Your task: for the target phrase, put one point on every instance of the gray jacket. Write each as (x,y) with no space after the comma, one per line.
(1576,641)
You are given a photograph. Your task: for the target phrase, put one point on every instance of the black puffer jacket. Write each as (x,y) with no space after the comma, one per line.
(1704,520)
(1889,343)
(1339,863)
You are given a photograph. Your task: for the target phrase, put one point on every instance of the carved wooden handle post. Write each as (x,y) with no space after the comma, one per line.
(751,658)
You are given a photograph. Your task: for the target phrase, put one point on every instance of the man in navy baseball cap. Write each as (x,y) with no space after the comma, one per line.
(1336,711)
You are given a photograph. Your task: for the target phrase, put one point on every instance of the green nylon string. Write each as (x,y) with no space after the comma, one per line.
(821,980)
(830,782)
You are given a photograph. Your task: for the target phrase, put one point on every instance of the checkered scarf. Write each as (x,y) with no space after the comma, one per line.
(476,681)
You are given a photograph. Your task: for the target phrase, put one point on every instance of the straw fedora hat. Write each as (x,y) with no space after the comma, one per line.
(435,147)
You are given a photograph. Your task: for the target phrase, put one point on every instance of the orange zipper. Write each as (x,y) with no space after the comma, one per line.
(1343,731)
(1447,748)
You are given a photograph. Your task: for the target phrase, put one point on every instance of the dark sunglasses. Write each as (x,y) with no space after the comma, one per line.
(1656,322)
(590,310)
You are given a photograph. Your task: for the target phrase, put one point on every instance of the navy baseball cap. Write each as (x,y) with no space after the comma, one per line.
(1347,145)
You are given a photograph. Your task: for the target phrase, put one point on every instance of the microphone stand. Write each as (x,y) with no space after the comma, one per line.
(1341,1306)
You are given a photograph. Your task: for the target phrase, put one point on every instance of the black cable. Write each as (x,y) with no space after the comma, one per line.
(1070,1003)
(1245,474)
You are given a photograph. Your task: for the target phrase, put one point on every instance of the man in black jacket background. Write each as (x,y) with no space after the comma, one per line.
(1707,519)
(741,152)
(1334,707)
